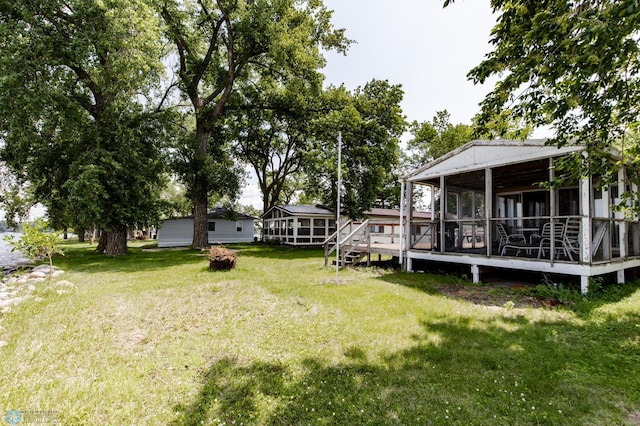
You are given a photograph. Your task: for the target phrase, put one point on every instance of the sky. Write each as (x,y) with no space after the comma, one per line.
(419,44)
(416,43)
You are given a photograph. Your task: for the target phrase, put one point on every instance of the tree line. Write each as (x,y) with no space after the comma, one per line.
(104,104)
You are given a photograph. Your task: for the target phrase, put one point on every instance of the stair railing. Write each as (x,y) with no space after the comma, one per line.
(348,244)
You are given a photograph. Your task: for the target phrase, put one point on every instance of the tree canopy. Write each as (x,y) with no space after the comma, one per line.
(572,65)
(219,43)
(73,121)
(434,139)
(371,122)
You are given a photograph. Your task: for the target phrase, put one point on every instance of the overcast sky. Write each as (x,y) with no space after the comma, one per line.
(418,44)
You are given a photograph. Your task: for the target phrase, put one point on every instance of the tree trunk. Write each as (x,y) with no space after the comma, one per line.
(92,234)
(116,241)
(102,241)
(81,235)
(200,226)
(201,189)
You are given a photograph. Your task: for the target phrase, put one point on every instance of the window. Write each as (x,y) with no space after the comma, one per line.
(304,227)
(239,226)
(376,229)
(212,227)
(319,227)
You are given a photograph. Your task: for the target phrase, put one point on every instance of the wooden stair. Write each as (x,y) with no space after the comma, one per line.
(350,259)
(346,240)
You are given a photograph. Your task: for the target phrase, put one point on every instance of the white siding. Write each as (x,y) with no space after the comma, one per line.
(179,232)
(176,233)
(226,231)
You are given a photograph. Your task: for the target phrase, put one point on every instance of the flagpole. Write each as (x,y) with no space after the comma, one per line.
(338,208)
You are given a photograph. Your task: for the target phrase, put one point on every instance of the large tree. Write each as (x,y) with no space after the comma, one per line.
(219,42)
(71,115)
(573,65)
(370,121)
(272,125)
(436,138)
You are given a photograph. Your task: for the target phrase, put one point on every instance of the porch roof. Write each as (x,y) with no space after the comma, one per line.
(480,154)
(299,210)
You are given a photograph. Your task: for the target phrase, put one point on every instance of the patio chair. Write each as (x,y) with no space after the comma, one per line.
(571,238)
(547,235)
(509,239)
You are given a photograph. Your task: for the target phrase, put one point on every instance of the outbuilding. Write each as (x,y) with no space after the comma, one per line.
(224,226)
(298,225)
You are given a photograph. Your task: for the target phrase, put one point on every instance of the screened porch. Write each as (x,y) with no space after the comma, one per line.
(502,212)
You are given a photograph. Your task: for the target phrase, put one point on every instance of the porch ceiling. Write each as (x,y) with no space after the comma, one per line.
(506,178)
(495,154)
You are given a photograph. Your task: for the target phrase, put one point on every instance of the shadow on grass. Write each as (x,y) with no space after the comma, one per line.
(137,259)
(566,297)
(280,252)
(504,371)
(85,259)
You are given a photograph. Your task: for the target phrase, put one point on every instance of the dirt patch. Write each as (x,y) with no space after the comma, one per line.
(634,417)
(492,295)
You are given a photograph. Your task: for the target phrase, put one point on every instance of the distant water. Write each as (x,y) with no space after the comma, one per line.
(6,257)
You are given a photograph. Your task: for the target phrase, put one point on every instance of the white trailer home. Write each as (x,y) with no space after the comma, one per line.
(224,227)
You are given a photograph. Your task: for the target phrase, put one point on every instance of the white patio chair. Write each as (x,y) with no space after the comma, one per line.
(571,238)
(547,235)
(508,239)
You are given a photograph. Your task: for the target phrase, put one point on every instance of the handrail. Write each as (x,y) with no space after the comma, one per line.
(333,236)
(346,244)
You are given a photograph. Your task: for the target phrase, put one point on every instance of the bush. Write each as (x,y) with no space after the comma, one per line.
(221,258)
(37,242)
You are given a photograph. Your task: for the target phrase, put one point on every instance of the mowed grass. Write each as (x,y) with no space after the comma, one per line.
(155,338)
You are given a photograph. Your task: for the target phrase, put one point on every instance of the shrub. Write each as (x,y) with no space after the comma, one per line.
(37,243)
(221,258)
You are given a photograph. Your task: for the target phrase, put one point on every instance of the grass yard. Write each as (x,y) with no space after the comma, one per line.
(155,338)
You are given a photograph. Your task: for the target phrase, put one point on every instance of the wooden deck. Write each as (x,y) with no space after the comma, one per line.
(379,248)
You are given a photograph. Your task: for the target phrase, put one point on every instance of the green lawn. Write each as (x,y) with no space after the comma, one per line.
(154,338)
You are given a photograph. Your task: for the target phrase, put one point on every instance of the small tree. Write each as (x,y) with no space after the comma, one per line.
(36,242)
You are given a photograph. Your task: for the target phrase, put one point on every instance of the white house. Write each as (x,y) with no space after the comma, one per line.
(384,224)
(224,227)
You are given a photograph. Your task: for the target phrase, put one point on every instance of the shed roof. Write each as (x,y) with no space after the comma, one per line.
(300,210)
(394,213)
(222,213)
(480,154)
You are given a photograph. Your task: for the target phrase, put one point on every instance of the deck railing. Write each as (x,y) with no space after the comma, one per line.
(469,237)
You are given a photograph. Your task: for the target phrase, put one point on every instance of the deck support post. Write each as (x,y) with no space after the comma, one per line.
(475,274)
(585,213)
(488,209)
(621,279)
(554,213)
(584,284)
(443,210)
(622,224)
